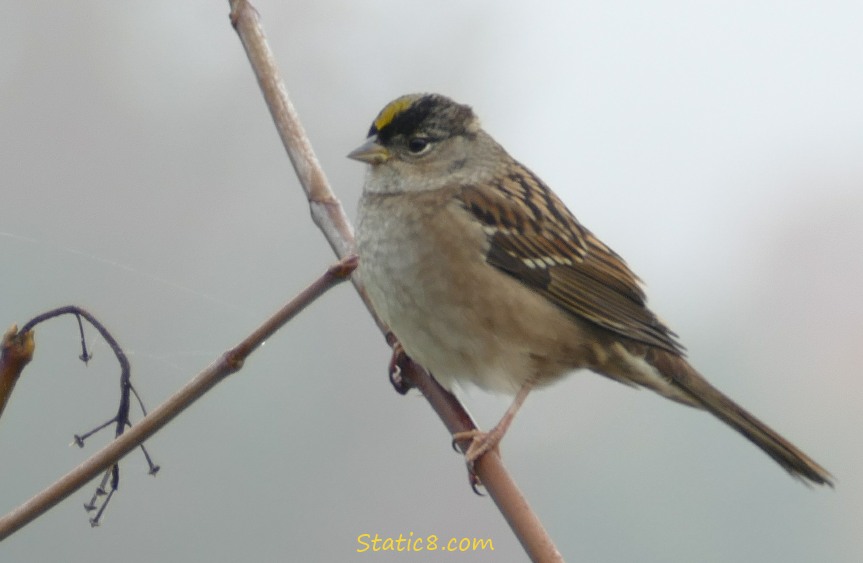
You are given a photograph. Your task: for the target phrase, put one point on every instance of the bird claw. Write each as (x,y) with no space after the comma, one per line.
(480,444)
(474,482)
(399,383)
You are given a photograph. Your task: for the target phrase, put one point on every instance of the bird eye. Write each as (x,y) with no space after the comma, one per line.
(418,145)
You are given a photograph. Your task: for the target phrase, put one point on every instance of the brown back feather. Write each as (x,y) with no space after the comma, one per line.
(534,238)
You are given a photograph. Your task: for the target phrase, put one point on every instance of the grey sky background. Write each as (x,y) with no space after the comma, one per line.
(717,147)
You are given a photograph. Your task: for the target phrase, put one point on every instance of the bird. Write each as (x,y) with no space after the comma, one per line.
(485,277)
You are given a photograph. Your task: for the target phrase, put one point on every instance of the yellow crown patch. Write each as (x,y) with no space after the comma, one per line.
(395,107)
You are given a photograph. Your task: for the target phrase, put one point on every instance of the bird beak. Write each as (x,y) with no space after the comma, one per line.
(370,152)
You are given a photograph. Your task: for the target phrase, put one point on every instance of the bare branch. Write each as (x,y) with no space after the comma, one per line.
(230,362)
(121,420)
(328,214)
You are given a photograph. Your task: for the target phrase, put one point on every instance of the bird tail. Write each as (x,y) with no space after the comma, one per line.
(686,378)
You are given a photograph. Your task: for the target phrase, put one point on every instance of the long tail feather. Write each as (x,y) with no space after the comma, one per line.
(684,376)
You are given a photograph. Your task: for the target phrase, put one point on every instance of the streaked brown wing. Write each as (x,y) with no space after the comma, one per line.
(535,239)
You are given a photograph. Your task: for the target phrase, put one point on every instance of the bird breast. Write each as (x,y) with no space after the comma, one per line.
(422,260)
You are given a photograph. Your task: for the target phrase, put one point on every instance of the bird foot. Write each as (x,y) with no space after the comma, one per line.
(399,383)
(480,442)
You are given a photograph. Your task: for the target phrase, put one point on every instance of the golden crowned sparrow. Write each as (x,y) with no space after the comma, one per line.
(485,276)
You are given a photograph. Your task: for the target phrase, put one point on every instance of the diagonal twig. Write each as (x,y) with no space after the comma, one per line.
(230,362)
(329,216)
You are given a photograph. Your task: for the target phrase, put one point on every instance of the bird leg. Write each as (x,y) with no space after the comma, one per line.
(481,442)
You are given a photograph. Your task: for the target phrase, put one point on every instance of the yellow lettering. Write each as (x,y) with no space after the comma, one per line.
(483,544)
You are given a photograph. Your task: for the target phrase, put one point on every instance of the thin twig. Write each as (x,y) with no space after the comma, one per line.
(122,419)
(329,216)
(230,362)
